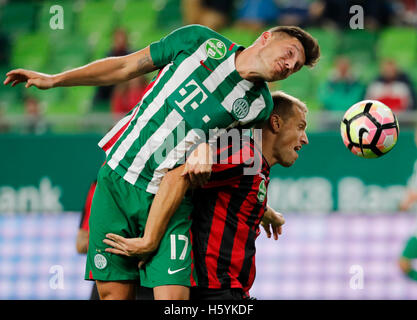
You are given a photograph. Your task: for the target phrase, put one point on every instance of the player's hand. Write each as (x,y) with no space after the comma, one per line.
(198,165)
(133,247)
(272,223)
(31,78)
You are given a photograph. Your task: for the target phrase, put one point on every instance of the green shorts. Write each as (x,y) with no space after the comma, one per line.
(121,208)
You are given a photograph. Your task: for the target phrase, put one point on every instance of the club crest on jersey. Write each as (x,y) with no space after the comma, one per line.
(215,49)
(240,108)
(262,191)
(100,261)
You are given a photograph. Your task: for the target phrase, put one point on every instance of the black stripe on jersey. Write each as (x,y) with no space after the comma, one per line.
(249,247)
(224,153)
(225,253)
(202,220)
(227,174)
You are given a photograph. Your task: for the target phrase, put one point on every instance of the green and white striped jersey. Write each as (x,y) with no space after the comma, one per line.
(197,90)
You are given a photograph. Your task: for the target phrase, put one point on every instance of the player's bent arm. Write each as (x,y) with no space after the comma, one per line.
(167,200)
(106,71)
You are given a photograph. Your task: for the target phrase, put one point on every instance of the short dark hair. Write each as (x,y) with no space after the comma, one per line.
(309,43)
(283,106)
(284,103)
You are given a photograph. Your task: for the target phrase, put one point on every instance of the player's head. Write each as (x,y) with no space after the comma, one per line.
(284,50)
(283,134)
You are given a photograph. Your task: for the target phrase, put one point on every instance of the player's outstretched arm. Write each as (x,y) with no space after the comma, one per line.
(106,71)
(272,220)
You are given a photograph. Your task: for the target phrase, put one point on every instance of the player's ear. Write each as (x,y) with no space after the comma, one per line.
(276,122)
(265,36)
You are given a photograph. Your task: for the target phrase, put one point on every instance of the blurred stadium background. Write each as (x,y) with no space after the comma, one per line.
(344,231)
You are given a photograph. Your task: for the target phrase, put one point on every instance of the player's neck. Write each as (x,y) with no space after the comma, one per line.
(264,141)
(245,65)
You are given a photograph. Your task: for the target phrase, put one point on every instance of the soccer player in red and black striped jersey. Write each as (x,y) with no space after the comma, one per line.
(226,217)
(229,209)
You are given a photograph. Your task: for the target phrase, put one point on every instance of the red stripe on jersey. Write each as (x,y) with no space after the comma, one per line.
(202,63)
(90,275)
(215,239)
(239,242)
(217,167)
(87,207)
(116,137)
(231,46)
(244,154)
(192,280)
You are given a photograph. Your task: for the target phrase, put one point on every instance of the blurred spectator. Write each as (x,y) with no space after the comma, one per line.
(409,253)
(120,47)
(342,89)
(336,13)
(293,12)
(255,14)
(407,12)
(127,95)
(214,14)
(393,88)
(4,49)
(410,196)
(4,124)
(34,121)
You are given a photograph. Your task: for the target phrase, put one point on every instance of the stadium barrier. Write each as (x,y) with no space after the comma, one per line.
(52,173)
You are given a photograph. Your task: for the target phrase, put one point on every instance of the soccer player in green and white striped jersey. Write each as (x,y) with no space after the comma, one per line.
(206,83)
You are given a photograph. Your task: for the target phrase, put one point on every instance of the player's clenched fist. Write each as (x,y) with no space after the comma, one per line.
(198,165)
(31,78)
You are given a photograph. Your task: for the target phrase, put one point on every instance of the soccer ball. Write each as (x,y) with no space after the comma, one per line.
(369,129)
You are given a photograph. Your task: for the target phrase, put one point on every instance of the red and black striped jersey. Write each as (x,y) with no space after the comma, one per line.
(85,216)
(226,217)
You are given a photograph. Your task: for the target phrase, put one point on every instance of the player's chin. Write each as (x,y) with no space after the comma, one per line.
(290,161)
(281,76)
(277,77)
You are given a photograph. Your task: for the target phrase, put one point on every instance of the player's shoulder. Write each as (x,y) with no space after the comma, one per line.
(195,30)
(247,152)
(199,31)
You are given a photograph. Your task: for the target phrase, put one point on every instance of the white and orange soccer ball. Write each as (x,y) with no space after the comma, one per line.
(369,129)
